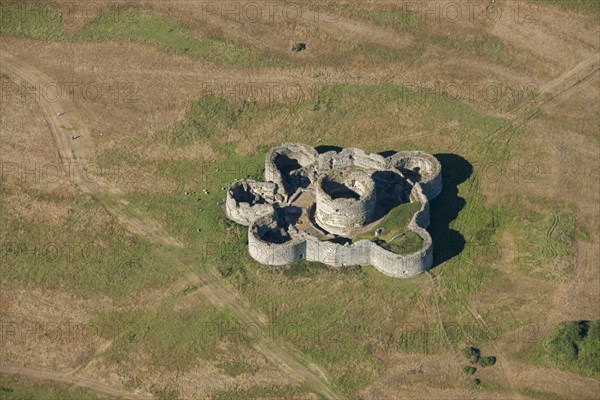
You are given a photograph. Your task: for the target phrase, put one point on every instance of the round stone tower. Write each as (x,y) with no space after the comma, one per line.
(419,167)
(345,200)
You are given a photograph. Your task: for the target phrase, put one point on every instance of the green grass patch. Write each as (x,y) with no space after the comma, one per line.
(437,338)
(530,393)
(397,20)
(44,22)
(545,236)
(116,156)
(172,338)
(367,52)
(235,368)
(396,236)
(88,253)
(324,316)
(68,129)
(145,27)
(304,269)
(197,218)
(538,394)
(468,246)
(35,21)
(587,7)
(12,388)
(393,18)
(486,46)
(339,114)
(208,118)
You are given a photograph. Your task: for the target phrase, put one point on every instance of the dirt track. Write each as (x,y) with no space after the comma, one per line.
(98,387)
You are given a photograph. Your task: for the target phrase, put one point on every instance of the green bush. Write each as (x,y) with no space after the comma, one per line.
(476,381)
(472,354)
(487,361)
(469,370)
(562,343)
(299,47)
(575,345)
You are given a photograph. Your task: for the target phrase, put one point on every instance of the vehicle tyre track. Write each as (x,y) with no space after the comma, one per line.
(98,387)
(555,221)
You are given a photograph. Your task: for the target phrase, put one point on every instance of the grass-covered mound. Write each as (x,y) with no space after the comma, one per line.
(395,235)
(573,346)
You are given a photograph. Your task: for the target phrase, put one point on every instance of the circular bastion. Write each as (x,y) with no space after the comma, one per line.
(285,165)
(420,168)
(345,199)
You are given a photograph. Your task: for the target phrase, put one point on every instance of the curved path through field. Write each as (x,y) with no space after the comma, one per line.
(67,379)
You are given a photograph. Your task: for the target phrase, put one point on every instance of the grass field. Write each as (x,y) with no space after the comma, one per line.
(514,228)
(261,393)
(399,18)
(464,229)
(175,339)
(102,259)
(44,22)
(551,258)
(589,7)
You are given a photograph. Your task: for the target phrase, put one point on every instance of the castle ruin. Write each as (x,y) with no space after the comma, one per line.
(313,206)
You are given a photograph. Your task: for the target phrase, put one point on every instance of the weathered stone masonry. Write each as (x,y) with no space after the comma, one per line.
(310,198)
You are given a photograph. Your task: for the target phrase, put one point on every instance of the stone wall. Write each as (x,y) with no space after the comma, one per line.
(400,265)
(354,254)
(363,252)
(408,265)
(350,157)
(321,251)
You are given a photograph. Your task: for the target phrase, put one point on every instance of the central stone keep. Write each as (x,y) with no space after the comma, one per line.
(327,208)
(346,199)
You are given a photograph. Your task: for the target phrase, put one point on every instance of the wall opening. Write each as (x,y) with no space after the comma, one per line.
(274,234)
(340,191)
(286,164)
(244,194)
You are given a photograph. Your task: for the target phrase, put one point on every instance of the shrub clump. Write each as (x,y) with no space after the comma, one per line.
(487,361)
(299,46)
(469,370)
(575,345)
(472,354)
